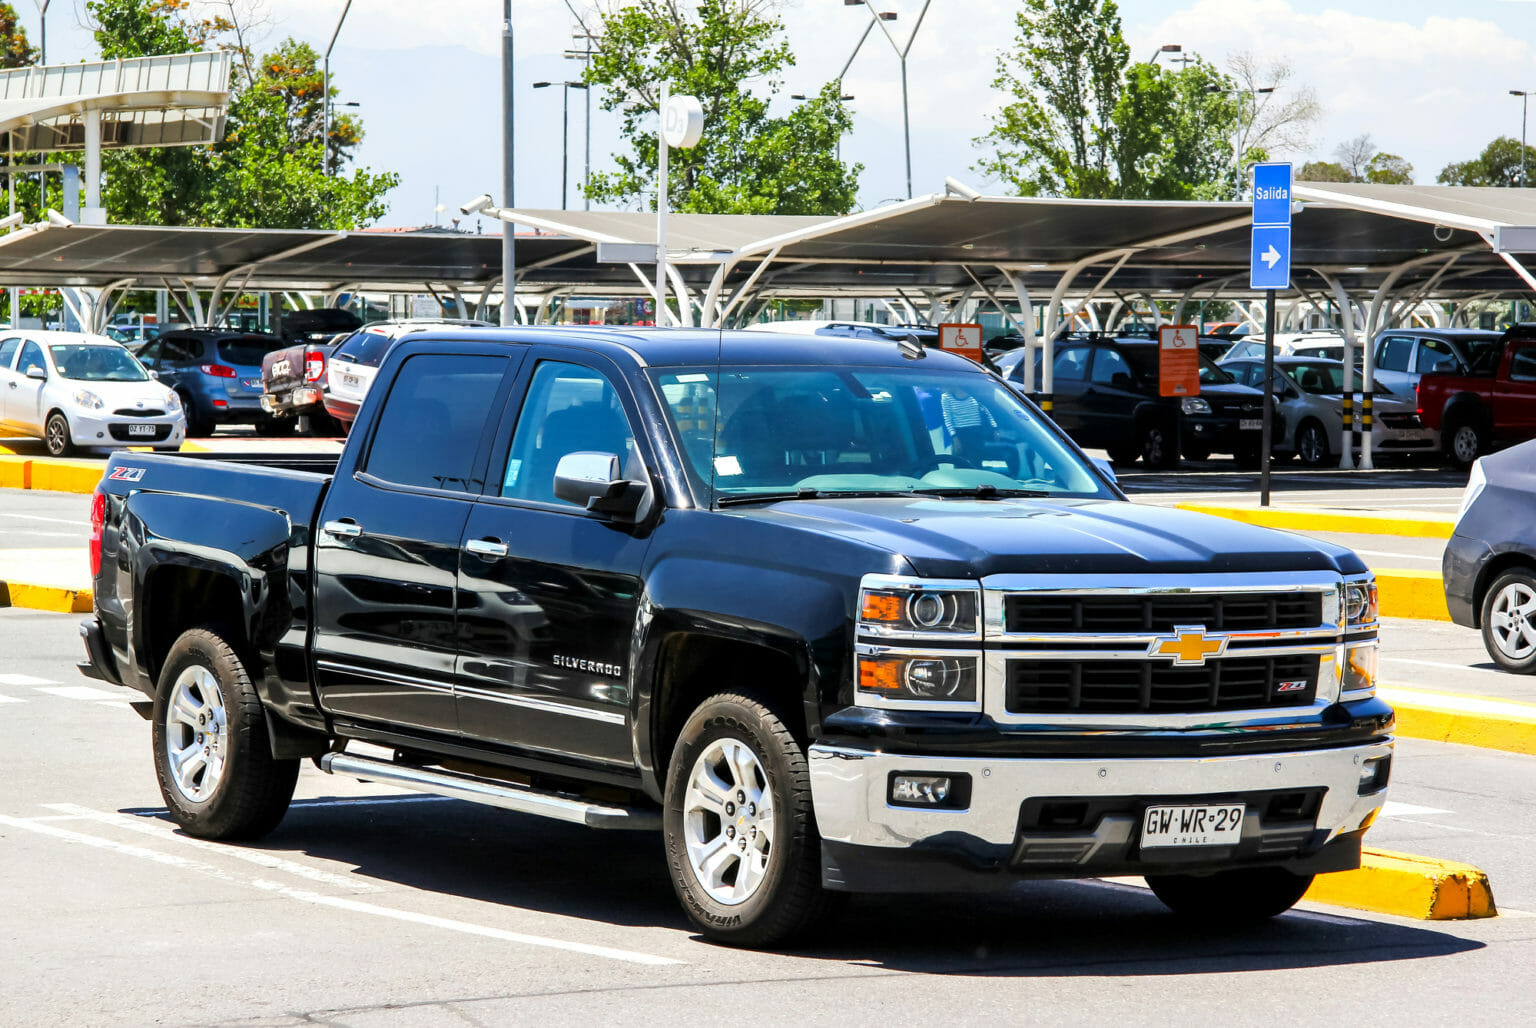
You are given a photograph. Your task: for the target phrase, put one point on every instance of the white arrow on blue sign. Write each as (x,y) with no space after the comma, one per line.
(1269,259)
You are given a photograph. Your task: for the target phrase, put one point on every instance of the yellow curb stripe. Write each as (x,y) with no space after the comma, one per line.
(56,475)
(46,597)
(1328,521)
(1411,594)
(1465,720)
(1408,886)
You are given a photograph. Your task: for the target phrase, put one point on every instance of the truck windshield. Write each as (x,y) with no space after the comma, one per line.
(775,432)
(96,363)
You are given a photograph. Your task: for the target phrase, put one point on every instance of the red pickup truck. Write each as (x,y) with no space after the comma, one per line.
(1496,402)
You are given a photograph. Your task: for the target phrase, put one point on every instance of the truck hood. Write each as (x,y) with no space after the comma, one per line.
(965,538)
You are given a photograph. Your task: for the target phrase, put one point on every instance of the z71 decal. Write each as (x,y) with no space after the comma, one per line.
(126,474)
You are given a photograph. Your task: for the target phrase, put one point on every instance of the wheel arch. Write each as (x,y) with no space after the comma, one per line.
(1496,566)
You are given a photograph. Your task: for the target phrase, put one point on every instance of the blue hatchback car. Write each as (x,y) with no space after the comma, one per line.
(217,374)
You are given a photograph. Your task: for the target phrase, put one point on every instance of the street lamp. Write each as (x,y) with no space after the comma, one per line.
(1166,48)
(1237,149)
(879,18)
(844,97)
(1524,95)
(325,94)
(585,56)
(565,131)
(42,39)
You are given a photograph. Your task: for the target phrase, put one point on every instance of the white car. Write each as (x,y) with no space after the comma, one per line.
(350,369)
(78,391)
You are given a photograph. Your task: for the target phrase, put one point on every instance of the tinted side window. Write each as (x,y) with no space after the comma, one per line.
(31,357)
(432,420)
(181,348)
(1437,355)
(8,349)
(1071,364)
(1107,364)
(1522,365)
(569,409)
(1393,353)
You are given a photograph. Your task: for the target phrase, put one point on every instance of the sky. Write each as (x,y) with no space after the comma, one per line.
(1428,81)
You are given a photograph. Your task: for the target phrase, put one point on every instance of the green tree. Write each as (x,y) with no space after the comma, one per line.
(15,51)
(1502,163)
(267,171)
(1082,121)
(1323,171)
(749,161)
(1359,161)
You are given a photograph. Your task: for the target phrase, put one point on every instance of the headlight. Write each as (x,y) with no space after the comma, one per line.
(1476,483)
(893,607)
(1195,405)
(1360,604)
(172,402)
(929,681)
(1359,679)
(87,399)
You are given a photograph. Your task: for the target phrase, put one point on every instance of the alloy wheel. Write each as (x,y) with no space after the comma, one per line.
(196,734)
(728,821)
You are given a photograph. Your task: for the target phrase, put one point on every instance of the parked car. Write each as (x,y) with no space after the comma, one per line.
(1489,566)
(1309,394)
(352,364)
(293,379)
(1403,355)
(217,374)
(1105,394)
(1491,403)
(132,335)
(1301,344)
(79,391)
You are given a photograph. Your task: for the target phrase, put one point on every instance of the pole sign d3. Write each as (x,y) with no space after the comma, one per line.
(1178,360)
(1269,259)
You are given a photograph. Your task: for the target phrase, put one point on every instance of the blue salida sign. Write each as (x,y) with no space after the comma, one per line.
(1269,258)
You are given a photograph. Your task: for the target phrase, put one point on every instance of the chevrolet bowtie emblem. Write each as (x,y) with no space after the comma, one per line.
(1189,646)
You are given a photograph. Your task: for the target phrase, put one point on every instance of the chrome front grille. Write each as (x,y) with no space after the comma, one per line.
(1145,686)
(1032,613)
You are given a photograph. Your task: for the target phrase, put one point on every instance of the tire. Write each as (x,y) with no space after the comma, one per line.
(1196,453)
(1155,442)
(233,788)
(197,424)
(1312,444)
(56,437)
(757,881)
(1231,897)
(275,428)
(319,425)
(1464,442)
(1509,621)
(1123,454)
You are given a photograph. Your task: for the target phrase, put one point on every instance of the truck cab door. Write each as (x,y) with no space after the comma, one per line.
(1514,394)
(550,591)
(387,540)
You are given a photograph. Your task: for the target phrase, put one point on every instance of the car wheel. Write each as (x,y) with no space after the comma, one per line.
(1509,621)
(1229,897)
(212,755)
(275,428)
(56,437)
(1464,442)
(1123,454)
(197,424)
(1312,444)
(1156,444)
(739,829)
(1196,453)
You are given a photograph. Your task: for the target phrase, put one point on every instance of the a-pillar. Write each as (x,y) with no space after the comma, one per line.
(93,213)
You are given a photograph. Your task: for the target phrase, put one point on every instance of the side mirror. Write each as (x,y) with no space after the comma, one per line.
(38,373)
(593,480)
(153,373)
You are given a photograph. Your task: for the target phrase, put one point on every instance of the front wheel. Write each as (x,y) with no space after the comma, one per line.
(1157,445)
(56,437)
(212,755)
(740,831)
(1231,897)
(1312,444)
(1509,621)
(1464,443)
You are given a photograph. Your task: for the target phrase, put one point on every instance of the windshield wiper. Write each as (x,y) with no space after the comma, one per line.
(981,492)
(797,494)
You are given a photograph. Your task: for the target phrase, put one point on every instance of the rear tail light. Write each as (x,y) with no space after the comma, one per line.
(314,365)
(219,370)
(98,519)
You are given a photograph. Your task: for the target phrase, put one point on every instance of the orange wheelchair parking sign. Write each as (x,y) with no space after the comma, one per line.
(1178,353)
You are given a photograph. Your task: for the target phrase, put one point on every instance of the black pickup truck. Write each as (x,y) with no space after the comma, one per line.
(831,617)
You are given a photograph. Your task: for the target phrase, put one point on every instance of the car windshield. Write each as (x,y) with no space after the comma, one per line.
(802,432)
(365,347)
(247,350)
(96,363)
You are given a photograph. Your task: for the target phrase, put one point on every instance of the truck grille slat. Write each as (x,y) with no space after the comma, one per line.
(1047,613)
(1144,686)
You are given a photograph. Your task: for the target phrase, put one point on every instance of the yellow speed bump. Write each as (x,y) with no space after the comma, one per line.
(1411,594)
(1423,526)
(1408,886)
(1467,720)
(45,597)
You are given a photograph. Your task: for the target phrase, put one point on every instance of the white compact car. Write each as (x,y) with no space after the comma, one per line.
(78,391)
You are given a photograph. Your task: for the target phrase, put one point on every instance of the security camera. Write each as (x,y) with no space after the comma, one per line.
(12,220)
(55,218)
(478,204)
(960,189)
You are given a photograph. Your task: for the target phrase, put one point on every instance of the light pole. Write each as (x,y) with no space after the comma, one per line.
(880,17)
(565,131)
(585,56)
(1524,95)
(1166,48)
(42,36)
(845,97)
(325,94)
(1237,144)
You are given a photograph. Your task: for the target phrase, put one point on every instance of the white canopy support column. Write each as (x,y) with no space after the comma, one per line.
(104,309)
(745,289)
(1347,329)
(685,300)
(485,297)
(1025,323)
(195,296)
(92,213)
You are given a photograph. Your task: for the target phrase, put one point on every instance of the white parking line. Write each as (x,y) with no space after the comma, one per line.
(38,517)
(24,680)
(166,831)
(337,902)
(11,699)
(79,692)
(1392,808)
(1397,556)
(1504,675)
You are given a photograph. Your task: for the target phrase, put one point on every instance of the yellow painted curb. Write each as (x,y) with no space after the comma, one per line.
(15,474)
(1466,720)
(66,478)
(46,597)
(1328,521)
(1408,886)
(1411,594)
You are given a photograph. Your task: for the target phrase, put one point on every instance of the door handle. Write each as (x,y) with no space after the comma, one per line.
(487,548)
(344,529)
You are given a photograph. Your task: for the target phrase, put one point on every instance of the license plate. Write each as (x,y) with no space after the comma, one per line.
(251,383)
(351,381)
(1250,425)
(141,429)
(1203,825)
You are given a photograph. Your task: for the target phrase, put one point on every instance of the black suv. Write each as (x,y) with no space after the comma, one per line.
(1105,394)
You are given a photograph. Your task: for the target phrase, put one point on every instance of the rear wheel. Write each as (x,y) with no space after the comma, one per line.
(1231,897)
(740,832)
(212,754)
(1312,444)
(1157,445)
(56,437)
(1196,452)
(1509,621)
(275,427)
(1464,442)
(197,424)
